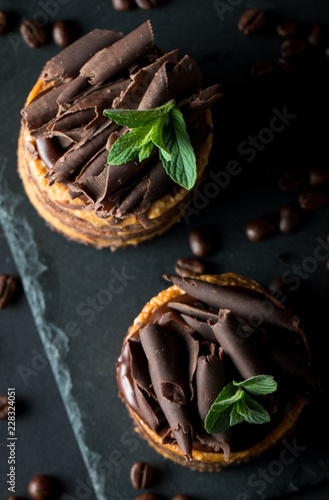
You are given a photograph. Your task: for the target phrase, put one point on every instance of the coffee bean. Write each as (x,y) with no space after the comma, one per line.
(148,496)
(261,228)
(199,243)
(3,407)
(62,34)
(317,36)
(285,64)
(8,286)
(319,175)
(122,5)
(14,497)
(287,29)
(141,475)
(289,218)
(291,180)
(262,68)
(40,487)
(186,267)
(279,289)
(33,34)
(313,199)
(3,22)
(146,4)
(181,497)
(251,21)
(292,47)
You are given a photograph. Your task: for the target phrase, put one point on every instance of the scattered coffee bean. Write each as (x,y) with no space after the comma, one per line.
(319,175)
(292,47)
(199,243)
(3,407)
(3,22)
(33,34)
(186,267)
(285,64)
(146,4)
(14,497)
(261,228)
(287,29)
(279,289)
(8,286)
(291,180)
(262,68)
(40,487)
(148,496)
(122,5)
(317,36)
(289,218)
(141,475)
(251,21)
(62,34)
(312,199)
(181,497)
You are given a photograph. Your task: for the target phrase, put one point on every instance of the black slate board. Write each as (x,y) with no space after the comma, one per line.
(61,277)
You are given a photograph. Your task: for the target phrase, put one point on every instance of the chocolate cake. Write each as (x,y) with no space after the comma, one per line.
(191,341)
(65,138)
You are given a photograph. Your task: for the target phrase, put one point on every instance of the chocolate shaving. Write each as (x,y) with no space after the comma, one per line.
(204,329)
(195,312)
(156,94)
(239,348)
(184,77)
(138,366)
(49,151)
(254,307)
(193,107)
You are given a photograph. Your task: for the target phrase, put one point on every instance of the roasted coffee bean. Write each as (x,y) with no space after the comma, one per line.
(312,199)
(40,487)
(199,243)
(289,218)
(262,68)
(186,267)
(3,22)
(181,497)
(14,497)
(122,5)
(3,407)
(141,475)
(8,286)
(285,64)
(62,34)
(292,47)
(319,175)
(148,496)
(291,180)
(261,228)
(146,4)
(279,289)
(251,20)
(317,36)
(33,34)
(287,29)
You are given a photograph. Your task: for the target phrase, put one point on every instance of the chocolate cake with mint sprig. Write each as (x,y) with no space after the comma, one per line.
(64,152)
(215,371)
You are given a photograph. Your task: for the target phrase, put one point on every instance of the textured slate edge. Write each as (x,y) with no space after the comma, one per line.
(19,235)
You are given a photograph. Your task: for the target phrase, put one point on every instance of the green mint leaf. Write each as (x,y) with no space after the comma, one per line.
(222,400)
(157,137)
(127,147)
(252,411)
(217,422)
(259,385)
(182,166)
(226,393)
(235,416)
(145,151)
(135,118)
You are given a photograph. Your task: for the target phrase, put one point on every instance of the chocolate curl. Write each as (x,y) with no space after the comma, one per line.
(156,94)
(194,106)
(139,369)
(110,61)
(67,63)
(185,76)
(49,151)
(254,307)
(192,310)
(239,348)
(95,165)
(210,380)
(204,329)
(176,415)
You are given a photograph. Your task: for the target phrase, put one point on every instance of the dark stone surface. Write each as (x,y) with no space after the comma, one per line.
(59,277)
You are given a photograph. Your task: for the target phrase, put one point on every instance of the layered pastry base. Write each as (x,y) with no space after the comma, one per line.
(193,339)
(65,139)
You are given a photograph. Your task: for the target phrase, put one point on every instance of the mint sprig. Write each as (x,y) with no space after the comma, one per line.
(234,405)
(163,127)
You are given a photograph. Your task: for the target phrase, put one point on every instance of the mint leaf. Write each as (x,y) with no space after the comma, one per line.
(127,147)
(218,422)
(182,166)
(135,118)
(261,384)
(235,416)
(157,137)
(252,411)
(228,400)
(145,151)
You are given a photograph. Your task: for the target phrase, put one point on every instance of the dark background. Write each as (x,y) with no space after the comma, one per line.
(84,364)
